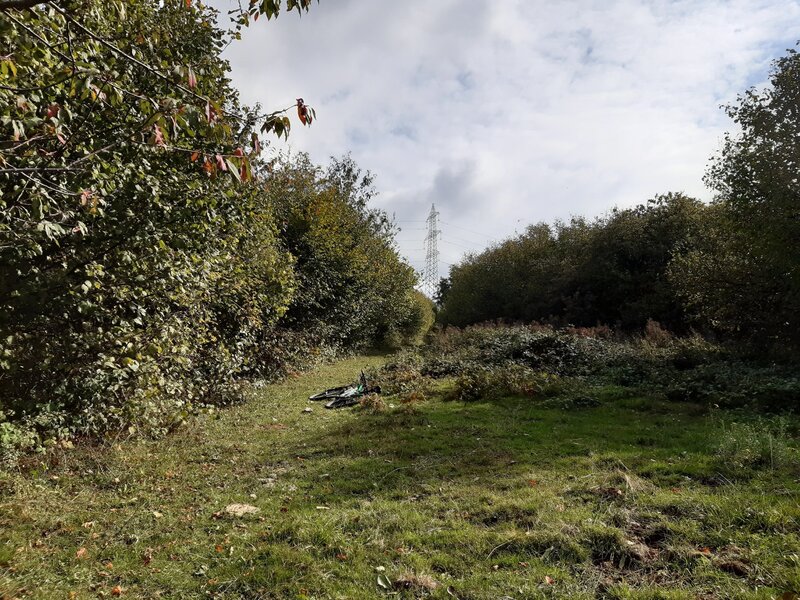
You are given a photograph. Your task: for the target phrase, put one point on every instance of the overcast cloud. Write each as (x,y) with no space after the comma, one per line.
(509,112)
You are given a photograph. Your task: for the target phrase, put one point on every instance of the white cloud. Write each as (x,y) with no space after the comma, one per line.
(507,112)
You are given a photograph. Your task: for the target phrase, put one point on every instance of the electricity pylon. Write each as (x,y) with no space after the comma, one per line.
(430,276)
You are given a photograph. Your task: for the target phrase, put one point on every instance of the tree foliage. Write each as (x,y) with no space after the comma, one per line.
(744,275)
(150,257)
(611,270)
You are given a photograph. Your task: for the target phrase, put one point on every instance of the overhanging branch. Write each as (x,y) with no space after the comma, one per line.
(20,4)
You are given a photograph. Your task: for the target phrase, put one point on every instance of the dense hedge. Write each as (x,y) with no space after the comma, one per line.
(612,270)
(150,258)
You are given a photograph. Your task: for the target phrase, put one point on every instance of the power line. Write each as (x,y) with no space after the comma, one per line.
(469,230)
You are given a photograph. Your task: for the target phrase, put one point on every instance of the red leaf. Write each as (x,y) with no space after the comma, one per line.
(52,110)
(211,114)
(192,78)
(187,3)
(158,136)
(302,111)
(238,152)
(195,156)
(221,163)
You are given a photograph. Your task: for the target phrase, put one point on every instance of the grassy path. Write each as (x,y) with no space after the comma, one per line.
(488,500)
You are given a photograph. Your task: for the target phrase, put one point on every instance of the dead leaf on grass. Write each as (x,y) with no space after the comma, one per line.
(241,510)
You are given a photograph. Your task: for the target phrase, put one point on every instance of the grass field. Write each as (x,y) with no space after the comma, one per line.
(508,499)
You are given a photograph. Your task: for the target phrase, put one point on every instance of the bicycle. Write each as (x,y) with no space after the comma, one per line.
(346,395)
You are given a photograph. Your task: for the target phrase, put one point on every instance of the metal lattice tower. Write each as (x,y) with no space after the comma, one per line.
(430,276)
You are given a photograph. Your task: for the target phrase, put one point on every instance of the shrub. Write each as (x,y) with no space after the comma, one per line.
(655,334)
(486,384)
(418,321)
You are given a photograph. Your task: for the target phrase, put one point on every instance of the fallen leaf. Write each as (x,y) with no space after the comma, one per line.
(549,580)
(116,591)
(81,553)
(240,510)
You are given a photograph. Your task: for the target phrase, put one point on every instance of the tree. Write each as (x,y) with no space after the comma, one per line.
(353,288)
(745,277)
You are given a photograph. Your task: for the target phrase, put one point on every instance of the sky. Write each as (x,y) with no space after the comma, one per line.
(509,112)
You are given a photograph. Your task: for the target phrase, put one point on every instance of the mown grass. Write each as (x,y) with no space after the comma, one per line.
(508,499)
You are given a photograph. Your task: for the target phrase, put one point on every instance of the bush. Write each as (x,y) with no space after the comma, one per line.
(487,384)
(491,357)
(411,331)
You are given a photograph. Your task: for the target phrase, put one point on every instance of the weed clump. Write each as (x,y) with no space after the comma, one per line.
(491,384)
(761,444)
(373,404)
(417,583)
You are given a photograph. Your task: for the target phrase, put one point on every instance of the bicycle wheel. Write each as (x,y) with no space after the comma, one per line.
(342,401)
(328,394)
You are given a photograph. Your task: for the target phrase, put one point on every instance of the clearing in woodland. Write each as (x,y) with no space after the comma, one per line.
(410,496)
